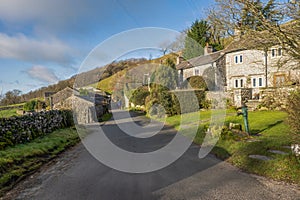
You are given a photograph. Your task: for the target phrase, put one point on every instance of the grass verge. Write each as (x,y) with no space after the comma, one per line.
(272,134)
(18,161)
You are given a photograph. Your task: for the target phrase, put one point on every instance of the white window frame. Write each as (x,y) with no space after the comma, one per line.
(197,72)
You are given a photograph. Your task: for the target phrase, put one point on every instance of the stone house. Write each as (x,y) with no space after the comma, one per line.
(245,73)
(211,66)
(58,98)
(86,109)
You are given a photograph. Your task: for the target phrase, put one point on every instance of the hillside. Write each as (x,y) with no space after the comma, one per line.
(135,72)
(83,79)
(92,77)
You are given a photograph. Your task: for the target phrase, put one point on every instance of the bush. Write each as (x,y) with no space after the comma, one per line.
(139,95)
(19,130)
(188,102)
(29,106)
(195,82)
(293,109)
(34,105)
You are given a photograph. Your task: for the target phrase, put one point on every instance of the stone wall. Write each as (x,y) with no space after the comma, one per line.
(22,129)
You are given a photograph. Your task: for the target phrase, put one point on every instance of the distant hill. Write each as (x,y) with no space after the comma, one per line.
(84,79)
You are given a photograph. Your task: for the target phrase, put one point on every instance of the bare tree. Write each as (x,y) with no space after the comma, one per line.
(278,22)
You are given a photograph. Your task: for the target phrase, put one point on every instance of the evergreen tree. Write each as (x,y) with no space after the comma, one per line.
(197,37)
(252,11)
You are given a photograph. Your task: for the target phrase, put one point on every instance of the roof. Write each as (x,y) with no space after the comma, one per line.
(200,60)
(260,40)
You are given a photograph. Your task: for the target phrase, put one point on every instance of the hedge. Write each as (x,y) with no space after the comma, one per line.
(22,129)
(187,100)
(293,110)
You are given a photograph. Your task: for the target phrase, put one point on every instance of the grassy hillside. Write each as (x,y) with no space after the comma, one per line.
(109,83)
(133,72)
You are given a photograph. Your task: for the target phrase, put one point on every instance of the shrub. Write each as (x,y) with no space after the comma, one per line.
(139,95)
(293,109)
(29,106)
(188,102)
(160,95)
(195,82)
(34,105)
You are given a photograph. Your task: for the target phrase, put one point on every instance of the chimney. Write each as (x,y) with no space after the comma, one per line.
(237,32)
(208,49)
(179,60)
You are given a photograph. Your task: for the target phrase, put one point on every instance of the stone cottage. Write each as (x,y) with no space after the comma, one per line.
(86,109)
(245,71)
(211,66)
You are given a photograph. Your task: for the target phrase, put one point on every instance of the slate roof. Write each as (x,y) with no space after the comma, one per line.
(200,60)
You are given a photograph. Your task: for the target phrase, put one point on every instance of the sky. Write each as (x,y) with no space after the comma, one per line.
(44,41)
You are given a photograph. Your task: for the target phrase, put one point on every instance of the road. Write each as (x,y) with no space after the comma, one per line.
(76,174)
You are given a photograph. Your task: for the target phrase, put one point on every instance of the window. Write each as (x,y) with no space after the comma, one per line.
(238,59)
(196,71)
(276,52)
(260,82)
(242,82)
(254,82)
(280,52)
(236,83)
(273,52)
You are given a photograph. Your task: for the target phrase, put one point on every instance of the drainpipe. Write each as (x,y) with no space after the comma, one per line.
(266,67)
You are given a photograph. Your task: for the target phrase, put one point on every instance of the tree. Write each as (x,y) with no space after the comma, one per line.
(11,97)
(264,24)
(139,95)
(166,75)
(197,37)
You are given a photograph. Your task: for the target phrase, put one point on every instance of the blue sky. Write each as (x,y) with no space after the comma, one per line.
(44,41)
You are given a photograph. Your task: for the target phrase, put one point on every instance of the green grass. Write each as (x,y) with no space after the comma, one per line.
(273,134)
(109,83)
(106,117)
(13,105)
(8,113)
(21,160)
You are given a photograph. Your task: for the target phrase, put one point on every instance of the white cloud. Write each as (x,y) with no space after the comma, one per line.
(42,73)
(24,10)
(54,15)
(23,48)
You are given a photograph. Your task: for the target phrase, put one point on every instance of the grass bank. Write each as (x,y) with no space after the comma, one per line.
(271,133)
(21,160)
(8,113)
